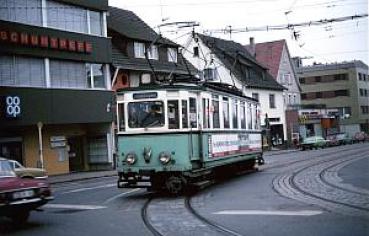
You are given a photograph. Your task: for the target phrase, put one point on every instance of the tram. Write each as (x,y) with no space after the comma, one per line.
(174,135)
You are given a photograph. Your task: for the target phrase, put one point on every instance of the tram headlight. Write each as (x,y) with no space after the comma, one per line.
(131,158)
(165,158)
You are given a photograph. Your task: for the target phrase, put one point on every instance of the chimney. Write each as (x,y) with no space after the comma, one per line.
(252,46)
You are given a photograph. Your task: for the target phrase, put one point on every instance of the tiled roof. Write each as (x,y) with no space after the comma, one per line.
(131,26)
(229,51)
(121,60)
(269,54)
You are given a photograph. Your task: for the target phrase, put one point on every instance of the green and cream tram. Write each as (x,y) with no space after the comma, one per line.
(173,135)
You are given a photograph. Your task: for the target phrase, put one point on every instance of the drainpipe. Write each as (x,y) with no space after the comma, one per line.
(40,150)
(114,77)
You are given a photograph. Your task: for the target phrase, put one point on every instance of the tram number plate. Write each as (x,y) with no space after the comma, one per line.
(23,194)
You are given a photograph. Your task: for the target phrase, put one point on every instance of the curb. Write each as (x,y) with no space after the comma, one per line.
(79,179)
(274,153)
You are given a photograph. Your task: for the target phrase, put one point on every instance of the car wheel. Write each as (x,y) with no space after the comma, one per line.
(20,218)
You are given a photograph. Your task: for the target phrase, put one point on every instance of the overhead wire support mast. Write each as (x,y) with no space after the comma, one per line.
(286,26)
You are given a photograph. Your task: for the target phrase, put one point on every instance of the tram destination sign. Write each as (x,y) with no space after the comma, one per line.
(145,95)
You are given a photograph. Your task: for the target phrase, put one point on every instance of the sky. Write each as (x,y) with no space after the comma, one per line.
(330,43)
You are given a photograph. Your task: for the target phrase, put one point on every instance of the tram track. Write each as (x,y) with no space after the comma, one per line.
(288,186)
(146,220)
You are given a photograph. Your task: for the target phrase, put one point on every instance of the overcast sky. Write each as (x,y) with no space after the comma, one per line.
(330,43)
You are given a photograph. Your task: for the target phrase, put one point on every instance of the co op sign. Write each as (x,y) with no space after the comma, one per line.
(12,106)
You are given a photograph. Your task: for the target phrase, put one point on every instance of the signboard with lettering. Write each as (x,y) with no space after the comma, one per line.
(12,106)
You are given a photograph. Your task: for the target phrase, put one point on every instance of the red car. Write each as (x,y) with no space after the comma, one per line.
(20,196)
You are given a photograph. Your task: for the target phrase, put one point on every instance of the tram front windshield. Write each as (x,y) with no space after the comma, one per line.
(146,114)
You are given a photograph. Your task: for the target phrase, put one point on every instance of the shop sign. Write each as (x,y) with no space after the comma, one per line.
(58,141)
(45,41)
(12,106)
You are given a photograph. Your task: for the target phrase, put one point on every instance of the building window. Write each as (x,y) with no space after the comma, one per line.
(98,149)
(363,93)
(287,79)
(67,74)
(96,23)
(22,71)
(271,101)
(95,76)
(303,96)
(216,115)
(22,11)
(338,93)
(302,80)
(319,95)
(341,77)
(196,52)
(318,79)
(226,113)
(172,55)
(139,50)
(255,96)
(153,52)
(66,17)
(365,109)
(210,74)
(360,77)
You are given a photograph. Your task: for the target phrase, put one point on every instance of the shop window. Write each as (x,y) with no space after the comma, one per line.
(226,121)
(139,50)
(184,114)
(22,11)
(193,113)
(216,114)
(98,149)
(172,55)
(173,114)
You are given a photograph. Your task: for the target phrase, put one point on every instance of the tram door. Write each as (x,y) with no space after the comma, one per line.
(75,153)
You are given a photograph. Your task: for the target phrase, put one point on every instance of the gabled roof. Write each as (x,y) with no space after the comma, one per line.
(269,54)
(229,51)
(131,26)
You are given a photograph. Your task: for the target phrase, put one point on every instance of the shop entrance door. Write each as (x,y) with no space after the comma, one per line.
(75,153)
(11,149)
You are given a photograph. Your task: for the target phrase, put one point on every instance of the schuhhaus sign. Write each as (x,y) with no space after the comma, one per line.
(45,41)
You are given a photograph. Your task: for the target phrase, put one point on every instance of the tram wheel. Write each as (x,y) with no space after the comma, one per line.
(175,184)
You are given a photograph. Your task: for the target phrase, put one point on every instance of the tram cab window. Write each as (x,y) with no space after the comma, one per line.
(226,113)
(145,114)
(216,118)
(184,114)
(193,113)
(249,120)
(121,124)
(242,116)
(173,114)
(205,113)
(235,114)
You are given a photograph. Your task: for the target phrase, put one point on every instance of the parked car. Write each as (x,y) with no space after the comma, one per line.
(19,196)
(360,137)
(338,139)
(27,172)
(313,142)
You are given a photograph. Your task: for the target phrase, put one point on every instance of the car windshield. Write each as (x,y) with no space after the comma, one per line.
(6,169)
(145,114)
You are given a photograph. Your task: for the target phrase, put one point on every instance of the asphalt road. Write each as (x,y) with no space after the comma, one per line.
(319,192)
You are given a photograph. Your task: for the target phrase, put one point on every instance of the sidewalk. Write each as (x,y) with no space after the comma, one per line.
(280,151)
(80,176)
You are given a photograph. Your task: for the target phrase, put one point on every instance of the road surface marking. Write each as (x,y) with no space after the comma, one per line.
(268,212)
(76,207)
(90,188)
(121,194)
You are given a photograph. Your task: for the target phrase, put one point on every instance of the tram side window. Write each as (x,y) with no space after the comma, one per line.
(235,114)
(184,114)
(193,113)
(173,114)
(122,126)
(216,118)
(205,113)
(254,117)
(249,120)
(226,113)
(243,120)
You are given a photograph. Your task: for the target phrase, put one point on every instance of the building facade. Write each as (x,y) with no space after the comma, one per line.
(229,62)
(342,86)
(55,89)
(275,56)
